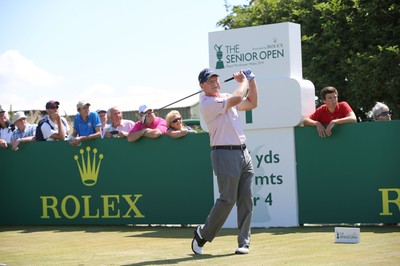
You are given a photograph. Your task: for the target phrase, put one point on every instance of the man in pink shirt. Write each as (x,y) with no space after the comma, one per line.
(119,128)
(149,126)
(230,158)
(330,113)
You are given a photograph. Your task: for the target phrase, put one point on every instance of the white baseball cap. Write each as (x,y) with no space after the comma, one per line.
(143,109)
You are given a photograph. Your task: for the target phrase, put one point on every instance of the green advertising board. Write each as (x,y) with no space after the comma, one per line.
(352,176)
(108,181)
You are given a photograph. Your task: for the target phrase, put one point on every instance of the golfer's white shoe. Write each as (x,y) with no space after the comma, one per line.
(243,250)
(198,242)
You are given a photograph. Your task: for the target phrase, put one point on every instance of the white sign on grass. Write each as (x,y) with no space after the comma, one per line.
(347,235)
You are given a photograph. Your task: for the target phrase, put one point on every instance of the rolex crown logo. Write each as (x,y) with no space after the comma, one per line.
(89,169)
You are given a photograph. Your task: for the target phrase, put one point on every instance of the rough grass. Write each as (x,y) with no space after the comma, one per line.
(138,245)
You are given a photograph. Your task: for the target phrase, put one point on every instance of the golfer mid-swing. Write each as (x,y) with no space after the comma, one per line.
(230,159)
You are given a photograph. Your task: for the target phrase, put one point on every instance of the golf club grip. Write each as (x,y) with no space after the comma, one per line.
(229,79)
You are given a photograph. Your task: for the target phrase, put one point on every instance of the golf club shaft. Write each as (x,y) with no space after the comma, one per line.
(229,79)
(180,100)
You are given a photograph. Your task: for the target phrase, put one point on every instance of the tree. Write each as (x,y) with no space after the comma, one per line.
(350,44)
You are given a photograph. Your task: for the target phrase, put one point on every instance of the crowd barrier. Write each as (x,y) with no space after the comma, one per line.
(350,177)
(107,181)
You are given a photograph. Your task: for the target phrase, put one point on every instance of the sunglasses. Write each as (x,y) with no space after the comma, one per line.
(54,107)
(384,113)
(176,120)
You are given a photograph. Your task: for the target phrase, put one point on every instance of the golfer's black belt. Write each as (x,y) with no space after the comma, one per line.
(229,147)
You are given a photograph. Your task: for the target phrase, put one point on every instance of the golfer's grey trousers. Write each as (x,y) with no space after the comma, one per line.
(234,171)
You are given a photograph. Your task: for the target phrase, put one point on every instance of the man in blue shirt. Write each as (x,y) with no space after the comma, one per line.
(87,125)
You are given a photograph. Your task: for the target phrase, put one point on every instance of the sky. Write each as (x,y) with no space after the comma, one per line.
(109,52)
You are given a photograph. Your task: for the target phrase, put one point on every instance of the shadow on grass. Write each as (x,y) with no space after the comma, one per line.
(186,232)
(193,257)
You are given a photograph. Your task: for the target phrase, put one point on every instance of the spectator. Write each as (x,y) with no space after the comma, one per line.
(230,158)
(119,127)
(23,132)
(330,113)
(175,127)
(6,129)
(52,126)
(149,126)
(381,112)
(87,125)
(103,119)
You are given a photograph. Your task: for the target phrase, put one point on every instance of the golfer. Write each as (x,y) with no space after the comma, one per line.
(230,158)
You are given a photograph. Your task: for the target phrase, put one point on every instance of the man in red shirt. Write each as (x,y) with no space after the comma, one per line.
(330,113)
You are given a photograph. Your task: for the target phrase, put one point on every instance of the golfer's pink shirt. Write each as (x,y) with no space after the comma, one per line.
(158,123)
(223,125)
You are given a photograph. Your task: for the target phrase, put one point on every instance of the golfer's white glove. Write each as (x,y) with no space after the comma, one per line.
(249,75)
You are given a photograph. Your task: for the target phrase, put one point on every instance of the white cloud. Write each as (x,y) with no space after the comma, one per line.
(26,86)
(99,90)
(18,71)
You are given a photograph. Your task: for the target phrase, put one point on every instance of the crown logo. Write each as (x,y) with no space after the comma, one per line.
(89,169)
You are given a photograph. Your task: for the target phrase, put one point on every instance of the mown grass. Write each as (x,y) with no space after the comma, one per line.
(138,245)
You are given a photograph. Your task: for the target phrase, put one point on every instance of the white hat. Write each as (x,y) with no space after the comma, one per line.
(17,116)
(81,104)
(101,110)
(144,109)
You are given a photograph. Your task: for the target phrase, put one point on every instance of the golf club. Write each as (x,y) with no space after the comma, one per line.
(227,80)
(144,116)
